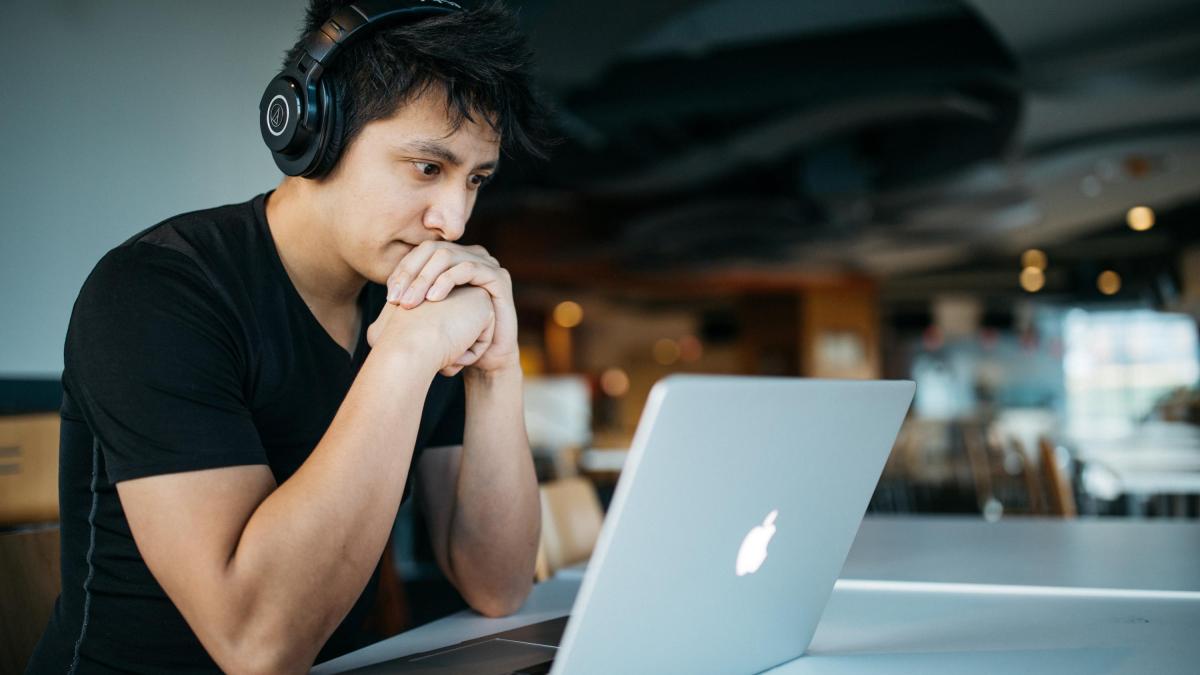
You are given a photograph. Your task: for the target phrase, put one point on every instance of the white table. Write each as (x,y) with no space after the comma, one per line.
(1159,459)
(953,595)
(876,632)
(1083,553)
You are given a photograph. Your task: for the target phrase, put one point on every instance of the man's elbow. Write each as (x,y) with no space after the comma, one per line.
(266,646)
(266,660)
(256,664)
(497,605)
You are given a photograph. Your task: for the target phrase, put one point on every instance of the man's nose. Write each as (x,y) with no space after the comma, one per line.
(448,214)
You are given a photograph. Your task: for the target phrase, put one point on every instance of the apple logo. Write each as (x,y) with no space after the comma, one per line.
(754,547)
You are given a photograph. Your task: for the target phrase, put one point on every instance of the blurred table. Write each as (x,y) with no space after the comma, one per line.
(1083,553)
(1161,459)
(873,632)
(1141,454)
(950,595)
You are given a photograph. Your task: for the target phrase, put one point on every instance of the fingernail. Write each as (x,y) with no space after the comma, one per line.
(393,293)
(410,296)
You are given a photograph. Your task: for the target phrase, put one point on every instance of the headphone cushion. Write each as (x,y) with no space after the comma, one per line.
(333,123)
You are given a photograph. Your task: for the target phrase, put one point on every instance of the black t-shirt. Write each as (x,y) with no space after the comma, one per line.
(189,348)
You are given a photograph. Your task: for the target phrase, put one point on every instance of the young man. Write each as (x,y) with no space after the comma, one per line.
(244,410)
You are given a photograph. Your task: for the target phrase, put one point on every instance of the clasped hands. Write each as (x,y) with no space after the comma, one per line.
(434,270)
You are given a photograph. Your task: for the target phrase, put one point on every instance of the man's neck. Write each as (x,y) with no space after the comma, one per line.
(300,232)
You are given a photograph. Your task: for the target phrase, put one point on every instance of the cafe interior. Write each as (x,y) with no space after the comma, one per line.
(999,201)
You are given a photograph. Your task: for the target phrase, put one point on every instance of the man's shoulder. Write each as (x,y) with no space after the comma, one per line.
(209,243)
(173,284)
(218,228)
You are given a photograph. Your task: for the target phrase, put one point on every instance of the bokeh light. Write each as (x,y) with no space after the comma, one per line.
(1032,279)
(1109,282)
(614,382)
(1140,218)
(1033,258)
(568,314)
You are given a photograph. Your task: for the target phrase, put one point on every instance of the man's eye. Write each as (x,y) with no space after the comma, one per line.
(428,168)
(479,181)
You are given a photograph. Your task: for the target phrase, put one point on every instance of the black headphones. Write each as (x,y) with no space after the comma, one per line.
(299,117)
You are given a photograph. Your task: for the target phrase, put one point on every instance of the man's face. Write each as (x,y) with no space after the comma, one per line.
(404,180)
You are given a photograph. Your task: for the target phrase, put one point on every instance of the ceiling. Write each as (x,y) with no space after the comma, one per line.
(896,139)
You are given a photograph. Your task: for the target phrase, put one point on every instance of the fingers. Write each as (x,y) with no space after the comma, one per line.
(483,253)
(462,274)
(476,351)
(416,271)
(413,279)
(410,265)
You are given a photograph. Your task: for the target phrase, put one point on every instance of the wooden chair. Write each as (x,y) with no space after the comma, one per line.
(29,538)
(571,519)
(1006,481)
(28,469)
(1059,490)
(29,583)
(982,466)
(1030,476)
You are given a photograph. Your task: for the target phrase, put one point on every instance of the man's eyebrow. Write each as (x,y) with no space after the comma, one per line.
(441,152)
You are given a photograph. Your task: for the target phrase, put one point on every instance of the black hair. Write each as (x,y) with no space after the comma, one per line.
(479,58)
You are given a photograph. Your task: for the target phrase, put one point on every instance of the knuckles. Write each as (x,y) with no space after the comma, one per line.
(446,256)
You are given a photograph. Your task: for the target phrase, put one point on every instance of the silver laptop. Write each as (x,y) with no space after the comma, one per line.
(733,515)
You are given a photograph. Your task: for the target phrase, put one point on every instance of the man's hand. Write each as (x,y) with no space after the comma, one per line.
(434,268)
(454,332)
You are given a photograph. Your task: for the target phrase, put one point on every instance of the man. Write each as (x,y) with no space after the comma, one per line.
(237,439)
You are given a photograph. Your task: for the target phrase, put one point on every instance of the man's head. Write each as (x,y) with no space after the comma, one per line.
(426,109)
(478,59)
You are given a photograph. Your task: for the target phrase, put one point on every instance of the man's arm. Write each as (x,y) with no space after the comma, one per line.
(264,574)
(481,499)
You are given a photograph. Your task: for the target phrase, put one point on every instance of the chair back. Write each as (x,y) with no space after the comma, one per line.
(30,581)
(29,469)
(571,520)
(1027,469)
(1059,489)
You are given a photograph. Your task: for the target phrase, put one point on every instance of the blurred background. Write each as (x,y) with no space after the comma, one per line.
(998,199)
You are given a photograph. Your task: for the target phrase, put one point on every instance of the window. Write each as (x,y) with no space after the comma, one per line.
(1117,364)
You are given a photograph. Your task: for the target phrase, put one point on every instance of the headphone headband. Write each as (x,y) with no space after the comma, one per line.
(296,110)
(351,21)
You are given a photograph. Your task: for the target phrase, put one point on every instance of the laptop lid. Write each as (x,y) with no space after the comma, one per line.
(732,518)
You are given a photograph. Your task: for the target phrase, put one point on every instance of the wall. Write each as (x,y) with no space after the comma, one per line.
(116,114)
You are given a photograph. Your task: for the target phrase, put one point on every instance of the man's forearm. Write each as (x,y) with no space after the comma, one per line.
(309,549)
(497,516)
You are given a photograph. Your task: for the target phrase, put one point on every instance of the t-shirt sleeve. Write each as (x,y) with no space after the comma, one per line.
(448,429)
(152,358)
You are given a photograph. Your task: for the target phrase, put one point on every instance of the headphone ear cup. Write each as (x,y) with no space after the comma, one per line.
(331,133)
(294,146)
(279,115)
